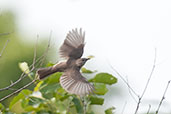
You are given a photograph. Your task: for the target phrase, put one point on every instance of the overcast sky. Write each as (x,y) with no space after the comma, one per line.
(123,33)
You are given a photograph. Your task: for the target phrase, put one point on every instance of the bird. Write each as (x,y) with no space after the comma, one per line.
(72,50)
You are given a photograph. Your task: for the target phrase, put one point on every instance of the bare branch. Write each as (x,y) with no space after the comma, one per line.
(124,107)
(35,54)
(154,65)
(140,98)
(3,34)
(124,80)
(133,97)
(23,75)
(18,90)
(163,97)
(47,49)
(149,109)
(4,48)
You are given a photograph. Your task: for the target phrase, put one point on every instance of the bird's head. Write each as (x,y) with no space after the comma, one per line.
(80,62)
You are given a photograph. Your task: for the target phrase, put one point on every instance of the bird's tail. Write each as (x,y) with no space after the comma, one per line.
(44,72)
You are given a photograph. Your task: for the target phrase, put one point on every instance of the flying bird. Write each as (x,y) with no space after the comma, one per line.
(72,50)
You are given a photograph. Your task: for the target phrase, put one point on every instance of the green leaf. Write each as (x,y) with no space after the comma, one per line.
(54,78)
(29,108)
(24,103)
(49,64)
(96,100)
(1,107)
(78,106)
(64,97)
(104,78)
(50,90)
(110,110)
(100,88)
(84,70)
(19,97)
(35,100)
(37,88)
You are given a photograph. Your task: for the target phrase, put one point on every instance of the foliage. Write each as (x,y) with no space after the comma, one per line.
(48,97)
(15,52)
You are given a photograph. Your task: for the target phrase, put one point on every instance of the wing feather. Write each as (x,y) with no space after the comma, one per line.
(74,83)
(73,45)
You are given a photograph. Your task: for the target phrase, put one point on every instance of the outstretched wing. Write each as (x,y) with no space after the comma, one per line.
(73,45)
(74,83)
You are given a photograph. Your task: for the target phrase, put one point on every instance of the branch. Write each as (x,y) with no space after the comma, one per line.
(4,48)
(47,49)
(163,97)
(3,34)
(149,109)
(124,80)
(124,108)
(13,93)
(130,92)
(32,67)
(22,76)
(140,98)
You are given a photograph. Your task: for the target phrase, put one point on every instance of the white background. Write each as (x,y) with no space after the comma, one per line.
(123,33)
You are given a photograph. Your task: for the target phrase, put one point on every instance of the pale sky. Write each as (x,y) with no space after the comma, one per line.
(123,33)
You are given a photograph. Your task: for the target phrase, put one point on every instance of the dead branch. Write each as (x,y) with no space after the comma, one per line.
(124,108)
(133,97)
(4,34)
(47,49)
(149,109)
(23,75)
(132,90)
(163,97)
(18,90)
(32,67)
(4,48)
(140,98)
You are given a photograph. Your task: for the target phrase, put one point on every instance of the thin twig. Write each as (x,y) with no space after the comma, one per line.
(18,90)
(34,58)
(154,65)
(4,48)
(47,49)
(35,53)
(23,75)
(3,34)
(123,80)
(133,97)
(149,109)
(151,73)
(124,107)
(163,97)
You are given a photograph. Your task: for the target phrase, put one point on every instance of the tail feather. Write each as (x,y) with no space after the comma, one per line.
(44,72)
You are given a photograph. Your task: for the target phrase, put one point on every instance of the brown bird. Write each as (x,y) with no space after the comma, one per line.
(72,50)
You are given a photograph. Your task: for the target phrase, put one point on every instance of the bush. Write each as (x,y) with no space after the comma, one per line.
(48,97)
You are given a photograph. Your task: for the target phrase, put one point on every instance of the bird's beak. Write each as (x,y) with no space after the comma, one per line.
(88,58)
